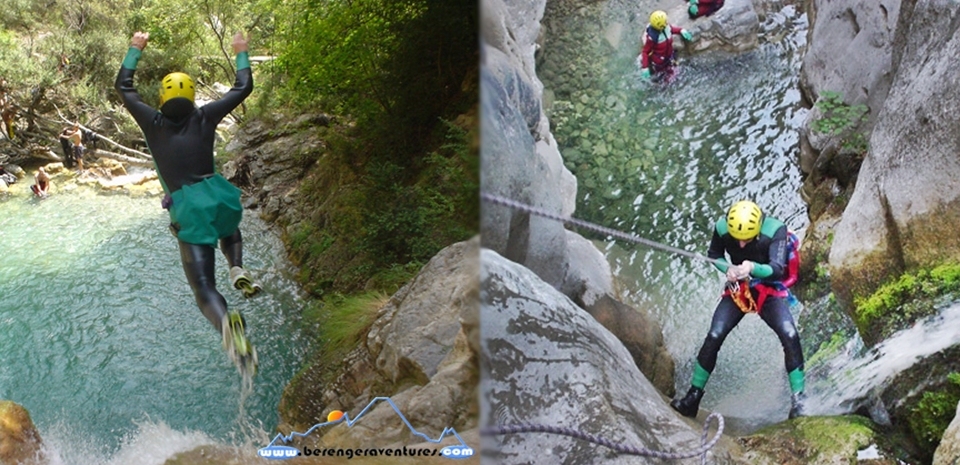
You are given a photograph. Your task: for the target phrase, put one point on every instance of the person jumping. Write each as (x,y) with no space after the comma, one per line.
(204,207)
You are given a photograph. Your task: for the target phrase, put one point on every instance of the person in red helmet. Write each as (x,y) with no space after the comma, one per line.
(656,51)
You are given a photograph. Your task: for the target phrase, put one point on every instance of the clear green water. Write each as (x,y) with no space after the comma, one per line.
(665,163)
(103,343)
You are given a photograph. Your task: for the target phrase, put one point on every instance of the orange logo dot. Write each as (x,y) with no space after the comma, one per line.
(334,415)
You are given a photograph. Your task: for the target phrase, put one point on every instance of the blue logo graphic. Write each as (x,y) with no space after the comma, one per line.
(457,452)
(280,452)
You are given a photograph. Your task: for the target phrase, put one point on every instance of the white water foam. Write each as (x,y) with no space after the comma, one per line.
(854,376)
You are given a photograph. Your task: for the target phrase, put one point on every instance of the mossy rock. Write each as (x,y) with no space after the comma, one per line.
(812,440)
(904,300)
(850,284)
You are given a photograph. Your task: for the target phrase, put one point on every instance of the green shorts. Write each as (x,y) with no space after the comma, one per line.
(207,211)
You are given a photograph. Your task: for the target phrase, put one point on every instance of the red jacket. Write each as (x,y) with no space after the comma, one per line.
(657,50)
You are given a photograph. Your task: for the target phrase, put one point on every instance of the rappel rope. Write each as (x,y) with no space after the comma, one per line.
(596,228)
(621,448)
(570,432)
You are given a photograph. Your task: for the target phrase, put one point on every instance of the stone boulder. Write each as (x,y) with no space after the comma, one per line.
(19,439)
(732,29)
(905,210)
(546,361)
(274,156)
(421,351)
(948,452)
(831,440)
(642,336)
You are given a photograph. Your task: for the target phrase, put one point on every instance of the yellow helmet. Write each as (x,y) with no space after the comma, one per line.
(176,85)
(743,220)
(658,19)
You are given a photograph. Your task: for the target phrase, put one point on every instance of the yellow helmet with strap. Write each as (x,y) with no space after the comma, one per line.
(744,220)
(658,19)
(176,85)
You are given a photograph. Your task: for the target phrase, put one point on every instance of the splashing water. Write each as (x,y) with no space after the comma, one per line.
(856,374)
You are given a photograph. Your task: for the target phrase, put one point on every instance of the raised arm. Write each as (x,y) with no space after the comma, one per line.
(140,111)
(242,87)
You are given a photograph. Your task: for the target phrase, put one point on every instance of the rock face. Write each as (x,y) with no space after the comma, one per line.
(19,440)
(546,361)
(851,52)
(905,210)
(421,351)
(948,452)
(275,160)
(520,161)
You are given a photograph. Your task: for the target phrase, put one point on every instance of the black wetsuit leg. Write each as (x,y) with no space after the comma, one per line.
(776,314)
(726,317)
(198,265)
(232,248)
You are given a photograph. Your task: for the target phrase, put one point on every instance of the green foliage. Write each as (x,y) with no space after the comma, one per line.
(840,119)
(906,298)
(344,320)
(411,221)
(934,412)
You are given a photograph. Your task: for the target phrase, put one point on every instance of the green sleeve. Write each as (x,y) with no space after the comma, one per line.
(761,270)
(133,56)
(722,265)
(243,60)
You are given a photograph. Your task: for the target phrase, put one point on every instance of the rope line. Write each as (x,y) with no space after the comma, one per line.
(594,227)
(621,448)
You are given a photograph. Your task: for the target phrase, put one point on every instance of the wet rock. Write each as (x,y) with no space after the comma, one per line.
(546,361)
(814,440)
(19,439)
(905,210)
(948,452)
(733,29)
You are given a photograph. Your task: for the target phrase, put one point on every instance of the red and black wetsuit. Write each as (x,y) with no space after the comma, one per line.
(769,252)
(181,140)
(657,53)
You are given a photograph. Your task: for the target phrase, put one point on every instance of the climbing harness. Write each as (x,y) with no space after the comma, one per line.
(563,431)
(621,448)
(596,228)
(740,294)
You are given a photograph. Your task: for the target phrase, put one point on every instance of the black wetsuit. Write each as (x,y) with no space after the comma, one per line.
(182,149)
(770,254)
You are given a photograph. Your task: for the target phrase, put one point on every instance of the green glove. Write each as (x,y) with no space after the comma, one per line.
(686,35)
(645,73)
(693,9)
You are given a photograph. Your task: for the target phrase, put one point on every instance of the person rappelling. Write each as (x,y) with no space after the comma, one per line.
(656,48)
(761,266)
(204,207)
